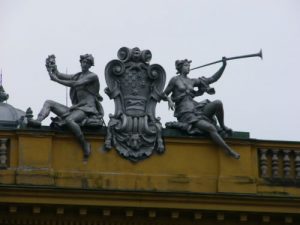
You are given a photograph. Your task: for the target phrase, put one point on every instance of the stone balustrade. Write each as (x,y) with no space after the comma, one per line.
(280,165)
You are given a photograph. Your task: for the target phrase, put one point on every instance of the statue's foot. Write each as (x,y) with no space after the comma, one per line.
(160,147)
(107,145)
(34,123)
(87,151)
(234,154)
(228,131)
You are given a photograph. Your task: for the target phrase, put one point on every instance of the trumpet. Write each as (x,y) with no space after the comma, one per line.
(259,54)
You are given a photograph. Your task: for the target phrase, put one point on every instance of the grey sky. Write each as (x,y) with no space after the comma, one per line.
(259,96)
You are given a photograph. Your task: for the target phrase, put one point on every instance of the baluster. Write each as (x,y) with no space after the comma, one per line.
(286,163)
(3,153)
(263,162)
(275,163)
(297,164)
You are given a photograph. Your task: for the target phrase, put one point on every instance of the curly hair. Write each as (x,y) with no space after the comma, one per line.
(179,64)
(87,57)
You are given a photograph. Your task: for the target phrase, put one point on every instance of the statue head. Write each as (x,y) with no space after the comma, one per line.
(86,61)
(183,66)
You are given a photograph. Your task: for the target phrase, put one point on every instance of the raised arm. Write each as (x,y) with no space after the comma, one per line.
(218,74)
(54,71)
(75,83)
(64,76)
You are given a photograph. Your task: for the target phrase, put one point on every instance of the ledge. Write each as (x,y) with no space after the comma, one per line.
(102,131)
(166,132)
(144,199)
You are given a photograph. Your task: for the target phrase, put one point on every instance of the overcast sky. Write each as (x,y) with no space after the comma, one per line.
(260,97)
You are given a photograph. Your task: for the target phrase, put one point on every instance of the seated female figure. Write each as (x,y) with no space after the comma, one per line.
(194,115)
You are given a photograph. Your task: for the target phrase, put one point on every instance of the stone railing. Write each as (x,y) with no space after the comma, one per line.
(280,165)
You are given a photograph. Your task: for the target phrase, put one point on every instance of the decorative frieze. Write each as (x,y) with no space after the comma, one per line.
(81,215)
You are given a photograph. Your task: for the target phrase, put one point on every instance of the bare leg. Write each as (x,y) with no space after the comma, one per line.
(72,122)
(49,106)
(52,106)
(216,108)
(208,127)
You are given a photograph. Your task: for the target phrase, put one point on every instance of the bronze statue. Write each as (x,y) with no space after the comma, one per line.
(86,109)
(196,117)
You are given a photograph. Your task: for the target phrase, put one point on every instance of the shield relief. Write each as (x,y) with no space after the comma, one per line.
(135,86)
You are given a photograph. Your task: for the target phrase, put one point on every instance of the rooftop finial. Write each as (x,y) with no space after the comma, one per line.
(3,95)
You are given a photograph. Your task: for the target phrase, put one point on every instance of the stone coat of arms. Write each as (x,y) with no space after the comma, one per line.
(135,86)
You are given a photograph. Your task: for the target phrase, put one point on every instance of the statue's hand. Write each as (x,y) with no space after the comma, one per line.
(72,107)
(51,64)
(52,76)
(224,60)
(171,104)
(54,69)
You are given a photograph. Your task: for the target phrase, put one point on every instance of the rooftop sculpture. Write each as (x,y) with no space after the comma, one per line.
(86,109)
(195,116)
(199,117)
(134,85)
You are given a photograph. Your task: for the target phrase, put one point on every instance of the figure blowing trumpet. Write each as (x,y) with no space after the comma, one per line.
(198,117)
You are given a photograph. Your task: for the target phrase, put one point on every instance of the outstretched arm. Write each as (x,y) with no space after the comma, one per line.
(218,74)
(75,83)
(52,70)
(64,76)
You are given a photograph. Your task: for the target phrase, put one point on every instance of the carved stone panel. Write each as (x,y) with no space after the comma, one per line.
(135,86)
